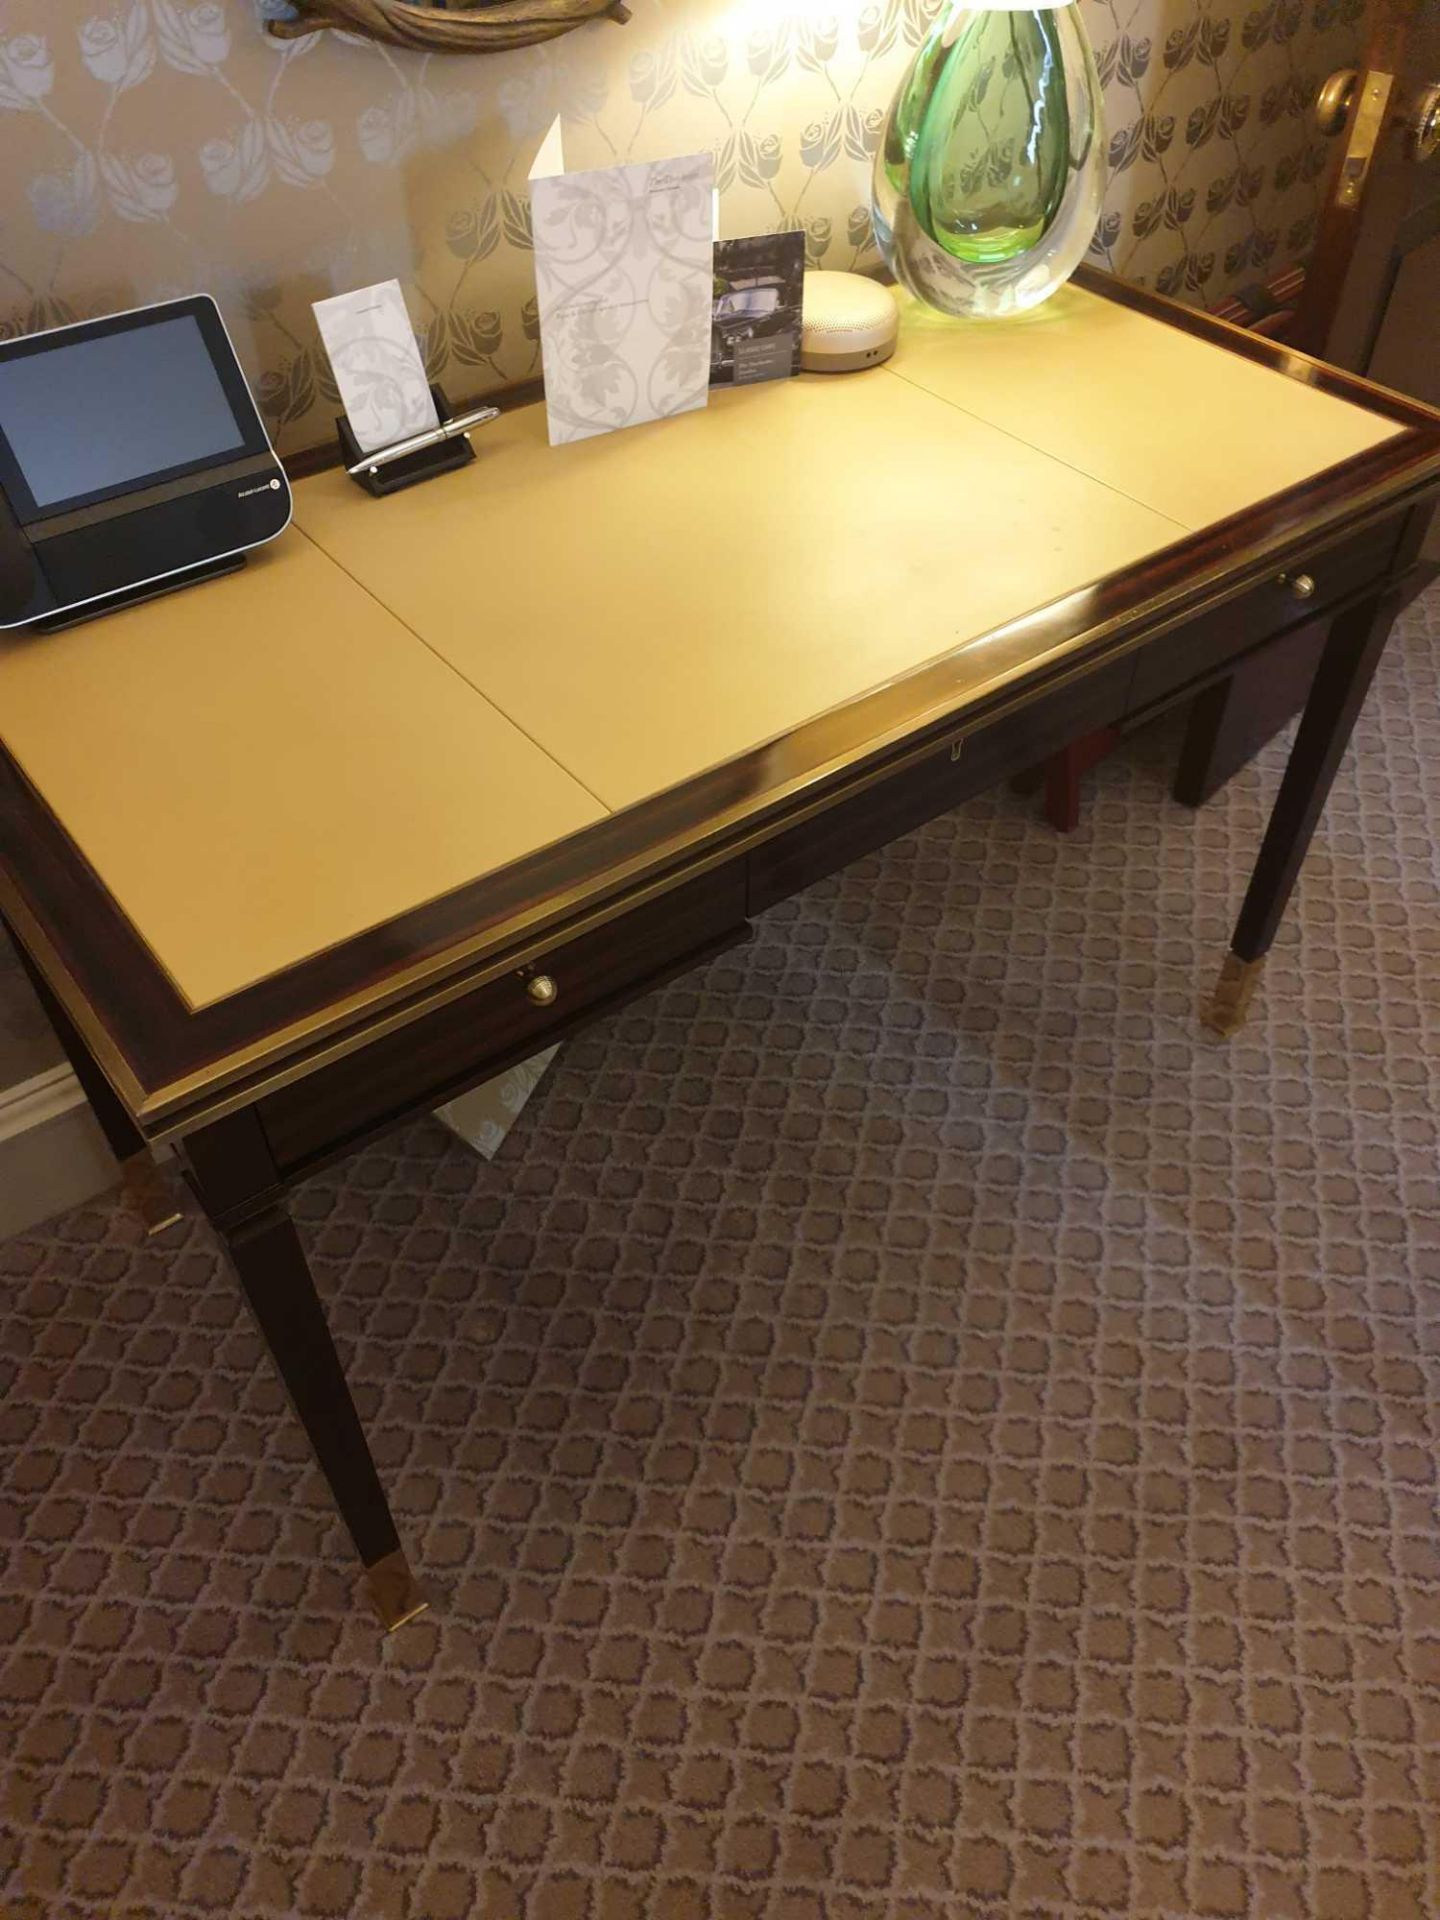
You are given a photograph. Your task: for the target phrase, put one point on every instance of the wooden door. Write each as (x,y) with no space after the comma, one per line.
(1372,292)
(1371,302)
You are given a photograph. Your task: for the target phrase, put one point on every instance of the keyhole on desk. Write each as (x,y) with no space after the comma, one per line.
(957,747)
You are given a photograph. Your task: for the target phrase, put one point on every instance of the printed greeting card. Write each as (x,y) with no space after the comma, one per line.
(624,261)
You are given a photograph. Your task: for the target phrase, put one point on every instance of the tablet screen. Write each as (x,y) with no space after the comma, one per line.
(92,415)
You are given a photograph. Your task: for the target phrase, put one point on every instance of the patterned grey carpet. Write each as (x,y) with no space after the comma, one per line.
(908,1427)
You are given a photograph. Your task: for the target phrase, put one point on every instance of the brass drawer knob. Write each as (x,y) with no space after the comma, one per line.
(1302,585)
(543,990)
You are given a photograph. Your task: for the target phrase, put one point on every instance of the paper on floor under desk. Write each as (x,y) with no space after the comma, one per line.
(483,1118)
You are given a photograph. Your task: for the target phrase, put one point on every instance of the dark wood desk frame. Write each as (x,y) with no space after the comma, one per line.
(260,1089)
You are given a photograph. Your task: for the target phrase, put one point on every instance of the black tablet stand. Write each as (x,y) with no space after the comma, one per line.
(446,456)
(137,596)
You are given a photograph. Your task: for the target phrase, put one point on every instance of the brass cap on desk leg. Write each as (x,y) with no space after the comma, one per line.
(1227,1012)
(393,1592)
(151,1193)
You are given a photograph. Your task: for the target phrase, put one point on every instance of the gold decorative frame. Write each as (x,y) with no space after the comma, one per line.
(474,26)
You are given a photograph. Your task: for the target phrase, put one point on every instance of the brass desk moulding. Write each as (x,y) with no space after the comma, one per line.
(476,26)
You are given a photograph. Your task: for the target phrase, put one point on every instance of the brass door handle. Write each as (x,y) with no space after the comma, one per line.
(1333,101)
(543,990)
(1423,135)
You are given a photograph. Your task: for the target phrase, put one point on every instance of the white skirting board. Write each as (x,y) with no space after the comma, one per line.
(52,1154)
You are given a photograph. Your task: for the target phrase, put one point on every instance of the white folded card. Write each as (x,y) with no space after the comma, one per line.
(378,369)
(624,264)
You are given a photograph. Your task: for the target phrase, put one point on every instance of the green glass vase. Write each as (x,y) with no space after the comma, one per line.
(990,175)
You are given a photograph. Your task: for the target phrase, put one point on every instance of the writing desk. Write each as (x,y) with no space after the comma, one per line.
(297,855)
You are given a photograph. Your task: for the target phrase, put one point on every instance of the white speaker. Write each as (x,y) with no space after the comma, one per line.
(850,323)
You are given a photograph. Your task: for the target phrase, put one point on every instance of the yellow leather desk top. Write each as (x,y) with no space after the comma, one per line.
(266,765)
(404,695)
(659,601)
(1194,432)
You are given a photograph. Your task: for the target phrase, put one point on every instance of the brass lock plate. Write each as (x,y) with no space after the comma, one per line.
(1364,137)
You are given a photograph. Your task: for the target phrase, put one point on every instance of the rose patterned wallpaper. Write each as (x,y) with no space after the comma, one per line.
(150,147)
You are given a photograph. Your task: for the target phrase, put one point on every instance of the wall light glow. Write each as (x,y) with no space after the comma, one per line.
(749,16)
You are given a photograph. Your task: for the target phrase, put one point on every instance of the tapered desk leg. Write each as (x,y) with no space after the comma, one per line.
(148,1192)
(226,1162)
(1347,666)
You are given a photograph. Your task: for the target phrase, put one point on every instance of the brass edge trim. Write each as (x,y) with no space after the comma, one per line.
(163,1122)
(171,1111)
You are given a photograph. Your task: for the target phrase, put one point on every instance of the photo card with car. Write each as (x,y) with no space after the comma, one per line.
(759,306)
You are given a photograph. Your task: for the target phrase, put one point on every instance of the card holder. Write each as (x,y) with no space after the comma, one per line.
(447,456)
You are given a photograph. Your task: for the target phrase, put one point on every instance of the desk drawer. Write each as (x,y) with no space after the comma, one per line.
(442,1054)
(933,785)
(1195,652)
